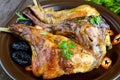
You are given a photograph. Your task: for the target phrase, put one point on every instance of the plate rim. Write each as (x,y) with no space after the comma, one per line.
(43,3)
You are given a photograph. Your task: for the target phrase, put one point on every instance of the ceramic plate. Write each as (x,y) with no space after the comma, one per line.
(17,72)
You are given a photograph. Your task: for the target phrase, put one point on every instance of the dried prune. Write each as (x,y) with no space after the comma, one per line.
(21,57)
(22,45)
(27,22)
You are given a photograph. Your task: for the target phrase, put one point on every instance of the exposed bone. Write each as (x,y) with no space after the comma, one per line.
(4,29)
(36,21)
(36,3)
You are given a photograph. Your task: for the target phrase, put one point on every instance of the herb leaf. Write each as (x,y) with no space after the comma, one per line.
(70,52)
(71,45)
(64,51)
(63,45)
(115,8)
(95,19)
(66,48)
(67,56)
(113,5)
(20,17)
(92,21)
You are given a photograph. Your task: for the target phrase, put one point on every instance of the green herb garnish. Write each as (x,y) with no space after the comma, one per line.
(79,20)
(20,17)
(66,48)
(113,5)
(71,45)
(63,45)
(92,20)
(95,19)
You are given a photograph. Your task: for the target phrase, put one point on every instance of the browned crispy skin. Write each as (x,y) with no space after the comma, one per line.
(36,21)
(47,59)
(55,17)
(91,36)
(44,58)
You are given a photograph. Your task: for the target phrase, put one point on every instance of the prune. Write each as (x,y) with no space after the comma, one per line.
(27,22)
(22,45)
(21,57)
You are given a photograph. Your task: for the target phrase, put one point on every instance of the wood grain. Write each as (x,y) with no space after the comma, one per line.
(7,11)
(8,8)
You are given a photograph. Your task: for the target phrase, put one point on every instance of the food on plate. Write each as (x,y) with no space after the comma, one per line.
(28,68)
(55,17)
(22,46)
(47,56)
(106,63)
(21,57)
(112,5)
(116,39)
(23,20)
(21,53)
(63,42)
(21,17)
(111,33)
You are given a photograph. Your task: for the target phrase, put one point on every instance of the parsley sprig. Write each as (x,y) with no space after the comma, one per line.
(66,48)
(20,17)
(95,19)
(113,5)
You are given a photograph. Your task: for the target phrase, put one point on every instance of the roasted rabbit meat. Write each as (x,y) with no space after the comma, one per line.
(64,42)
(54,17)
(47,57)
(79,27)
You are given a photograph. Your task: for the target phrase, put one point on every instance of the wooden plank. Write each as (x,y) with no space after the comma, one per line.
(7,11)
(7,7)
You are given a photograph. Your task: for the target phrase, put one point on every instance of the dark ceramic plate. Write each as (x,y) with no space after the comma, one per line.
(17,72)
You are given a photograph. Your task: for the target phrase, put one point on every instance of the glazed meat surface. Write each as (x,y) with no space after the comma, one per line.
(52,28)
(50,16)
(47,59)
(94,37)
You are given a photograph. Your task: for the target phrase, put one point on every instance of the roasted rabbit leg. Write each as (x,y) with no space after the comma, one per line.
(47,58)
(92,36)
(55,17)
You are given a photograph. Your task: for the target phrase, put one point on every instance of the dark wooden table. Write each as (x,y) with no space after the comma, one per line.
(7,10)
